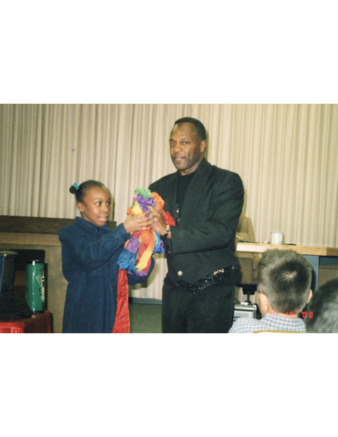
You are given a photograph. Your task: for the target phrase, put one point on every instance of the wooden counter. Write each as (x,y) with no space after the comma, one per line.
(303,250)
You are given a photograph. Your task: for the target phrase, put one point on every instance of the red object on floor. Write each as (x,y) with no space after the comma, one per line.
(38,323)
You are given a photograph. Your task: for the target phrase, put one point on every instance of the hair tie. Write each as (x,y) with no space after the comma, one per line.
(76,186)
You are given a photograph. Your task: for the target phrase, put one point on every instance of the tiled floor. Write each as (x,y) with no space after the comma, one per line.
(145,318)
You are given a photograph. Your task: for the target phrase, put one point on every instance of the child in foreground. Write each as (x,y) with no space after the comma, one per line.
(283,287)
(90,250)
(324,309)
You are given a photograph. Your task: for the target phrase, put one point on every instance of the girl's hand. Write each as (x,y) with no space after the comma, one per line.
(137,222)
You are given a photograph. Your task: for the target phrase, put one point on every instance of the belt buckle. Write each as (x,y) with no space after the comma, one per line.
(218,271)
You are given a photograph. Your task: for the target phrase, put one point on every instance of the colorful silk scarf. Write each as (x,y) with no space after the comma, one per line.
(136,255)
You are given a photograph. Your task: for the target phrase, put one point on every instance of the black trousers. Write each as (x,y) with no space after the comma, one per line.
(207,311)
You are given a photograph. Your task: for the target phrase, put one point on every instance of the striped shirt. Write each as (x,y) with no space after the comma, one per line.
(270,322)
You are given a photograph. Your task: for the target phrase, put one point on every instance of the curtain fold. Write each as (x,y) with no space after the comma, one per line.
(286,155)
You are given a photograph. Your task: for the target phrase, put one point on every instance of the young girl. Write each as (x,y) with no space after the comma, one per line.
(90,250)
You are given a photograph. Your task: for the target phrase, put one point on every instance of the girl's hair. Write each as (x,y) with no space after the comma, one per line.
(80,190)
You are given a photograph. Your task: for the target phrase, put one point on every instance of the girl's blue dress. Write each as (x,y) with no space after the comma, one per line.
(89,264)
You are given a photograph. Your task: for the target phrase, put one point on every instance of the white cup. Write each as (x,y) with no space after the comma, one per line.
(277,238)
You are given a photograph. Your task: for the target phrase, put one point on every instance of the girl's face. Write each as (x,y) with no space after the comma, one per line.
(95,207)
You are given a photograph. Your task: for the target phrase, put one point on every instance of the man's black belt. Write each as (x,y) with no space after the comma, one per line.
(226,276)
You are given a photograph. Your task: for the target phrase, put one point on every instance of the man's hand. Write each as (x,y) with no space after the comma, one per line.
(157,220)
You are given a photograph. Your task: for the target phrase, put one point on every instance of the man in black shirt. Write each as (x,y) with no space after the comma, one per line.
(206,202)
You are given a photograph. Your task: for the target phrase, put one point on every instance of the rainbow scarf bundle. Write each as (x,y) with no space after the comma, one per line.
(136,255)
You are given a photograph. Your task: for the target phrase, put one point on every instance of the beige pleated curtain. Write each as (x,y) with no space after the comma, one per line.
(287,156)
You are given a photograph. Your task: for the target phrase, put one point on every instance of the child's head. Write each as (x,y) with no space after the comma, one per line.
(324,309)
(93,200)
(283,281)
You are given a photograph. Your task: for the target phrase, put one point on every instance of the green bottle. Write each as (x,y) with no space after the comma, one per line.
(35,293)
